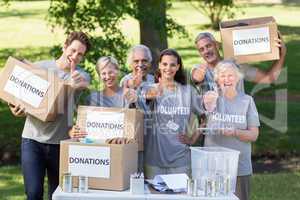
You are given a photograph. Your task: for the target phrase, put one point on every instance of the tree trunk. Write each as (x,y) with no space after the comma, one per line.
(153,31)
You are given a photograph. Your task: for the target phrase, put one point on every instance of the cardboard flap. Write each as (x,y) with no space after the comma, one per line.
(246,22)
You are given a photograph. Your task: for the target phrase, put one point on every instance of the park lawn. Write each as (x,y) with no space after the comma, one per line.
(35,44)
(11,184)
(24,33)
(277,186)
(23,25)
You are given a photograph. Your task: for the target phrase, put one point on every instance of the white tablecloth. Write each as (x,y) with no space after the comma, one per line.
(126,195)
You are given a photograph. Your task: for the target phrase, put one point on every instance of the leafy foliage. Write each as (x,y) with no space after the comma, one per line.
(216,10)
(101,20)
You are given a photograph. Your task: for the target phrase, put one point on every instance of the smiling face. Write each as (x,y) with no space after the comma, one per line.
(168,67)
(109,75)
(140,62)
(227,79)
(74,52)
(208,50)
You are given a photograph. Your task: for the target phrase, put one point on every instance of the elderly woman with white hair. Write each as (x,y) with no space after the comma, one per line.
(232,121)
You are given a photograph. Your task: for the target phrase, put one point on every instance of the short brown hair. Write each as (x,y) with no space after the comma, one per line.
(81,37)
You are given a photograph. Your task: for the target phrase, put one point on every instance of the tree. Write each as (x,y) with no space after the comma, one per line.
(101,19)
(153,32)
(215,10)
(156,25)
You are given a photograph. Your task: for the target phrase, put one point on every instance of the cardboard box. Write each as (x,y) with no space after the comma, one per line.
(107,122)
(108,166)
(40,91)
(250,40)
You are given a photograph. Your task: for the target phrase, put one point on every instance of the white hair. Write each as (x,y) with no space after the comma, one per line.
(103,61)
(139,47)
(205,35)
(224,65)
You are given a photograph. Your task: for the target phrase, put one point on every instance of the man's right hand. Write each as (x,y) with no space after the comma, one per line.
(199,73)
(17,110)
(136,80)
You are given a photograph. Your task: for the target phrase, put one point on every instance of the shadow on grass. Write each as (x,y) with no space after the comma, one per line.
(10,136)
(289,30)
(276,164)
(21,14)
(203,27)
(188,52)
(12,182)
(30,53)
(285,3)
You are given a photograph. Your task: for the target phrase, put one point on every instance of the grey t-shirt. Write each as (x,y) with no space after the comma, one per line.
(209,84)
(171,114)
(99,99)
(145,85)
(238,113)
(55,131)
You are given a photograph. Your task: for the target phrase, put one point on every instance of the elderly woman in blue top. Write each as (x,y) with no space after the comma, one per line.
(234,114)
(172,102)
(112,95)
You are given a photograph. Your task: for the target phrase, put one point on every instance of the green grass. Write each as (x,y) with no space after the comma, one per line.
(277,186)
(274,141)
(11,184)
(24,33)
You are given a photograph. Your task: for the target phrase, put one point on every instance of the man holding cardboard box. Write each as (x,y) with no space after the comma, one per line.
(208,49)
(40,140)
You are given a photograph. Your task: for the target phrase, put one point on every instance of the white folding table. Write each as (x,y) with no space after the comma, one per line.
(126,195)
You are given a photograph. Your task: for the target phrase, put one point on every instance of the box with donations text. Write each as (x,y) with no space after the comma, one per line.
(107,166)
(250,40)
(38,90)
(106,122)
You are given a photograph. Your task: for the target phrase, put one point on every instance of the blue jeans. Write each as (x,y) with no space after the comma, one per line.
(37,160)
